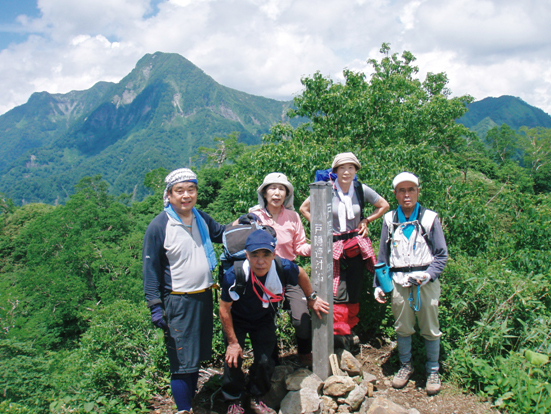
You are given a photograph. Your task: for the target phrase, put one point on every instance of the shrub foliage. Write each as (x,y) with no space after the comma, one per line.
(75,331)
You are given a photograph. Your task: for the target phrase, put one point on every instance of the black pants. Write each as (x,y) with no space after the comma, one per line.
(262,334)
(350,287)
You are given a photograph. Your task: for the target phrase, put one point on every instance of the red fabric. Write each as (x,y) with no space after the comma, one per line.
(368,256)
(272,296)
(351,248)
(345,317)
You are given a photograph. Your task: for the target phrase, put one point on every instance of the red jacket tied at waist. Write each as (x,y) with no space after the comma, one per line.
(368,256)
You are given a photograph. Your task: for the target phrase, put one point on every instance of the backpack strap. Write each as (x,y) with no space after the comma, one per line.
(240,280)
(358,189)
(391,219)
(280,271)
(426,220)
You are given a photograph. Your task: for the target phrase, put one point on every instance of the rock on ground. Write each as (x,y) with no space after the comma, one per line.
(300,402)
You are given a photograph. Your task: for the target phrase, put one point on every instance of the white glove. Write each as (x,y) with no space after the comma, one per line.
(418,280)
(379,295)
(424,279)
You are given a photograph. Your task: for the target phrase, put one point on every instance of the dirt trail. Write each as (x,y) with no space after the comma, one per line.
(375,360)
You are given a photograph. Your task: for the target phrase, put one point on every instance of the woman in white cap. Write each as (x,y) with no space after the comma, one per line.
(352,250)
(275,208)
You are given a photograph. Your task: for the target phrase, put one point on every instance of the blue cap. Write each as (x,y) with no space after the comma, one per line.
(260,239)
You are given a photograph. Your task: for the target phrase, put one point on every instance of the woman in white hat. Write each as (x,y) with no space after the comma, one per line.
(352,251)
(275,208)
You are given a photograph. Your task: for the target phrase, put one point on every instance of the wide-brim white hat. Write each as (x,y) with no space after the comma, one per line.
(277,178)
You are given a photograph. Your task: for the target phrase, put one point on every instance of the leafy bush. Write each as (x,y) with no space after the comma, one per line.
(25,378)
(517,383)
(120,363)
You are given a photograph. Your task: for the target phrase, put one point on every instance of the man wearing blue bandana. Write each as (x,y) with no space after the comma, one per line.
(178,260)
(414,247)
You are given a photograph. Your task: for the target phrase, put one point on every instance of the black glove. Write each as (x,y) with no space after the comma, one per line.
(157,317)
(248,218)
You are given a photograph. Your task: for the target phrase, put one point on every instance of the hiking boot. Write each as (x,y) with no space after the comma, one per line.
(306,360)
(235,407)
(258,407)
(347,342)
(402,377)
(354,339)
(433,384)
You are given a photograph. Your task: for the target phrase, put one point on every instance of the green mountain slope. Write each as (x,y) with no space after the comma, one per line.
(483,115)
(42,119)
(157,116)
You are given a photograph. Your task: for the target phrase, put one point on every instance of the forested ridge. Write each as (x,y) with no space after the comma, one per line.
(156,116)
(76,334)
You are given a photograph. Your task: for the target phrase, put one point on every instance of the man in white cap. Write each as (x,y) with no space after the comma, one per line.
(178,259)
(414,247)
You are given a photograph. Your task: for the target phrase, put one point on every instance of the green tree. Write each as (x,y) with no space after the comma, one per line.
(503,141)
(227,150)
(392,107)
(71,258)
(6,207)
(536,144)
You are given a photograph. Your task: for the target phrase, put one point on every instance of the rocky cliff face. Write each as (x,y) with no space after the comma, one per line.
(156,116)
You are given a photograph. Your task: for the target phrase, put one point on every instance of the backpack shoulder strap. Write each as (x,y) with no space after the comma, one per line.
(358,188)
(240,280)
(280,271)
(426,220)
(390,218)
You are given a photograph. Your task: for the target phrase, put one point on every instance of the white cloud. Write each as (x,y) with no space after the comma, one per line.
(264,47)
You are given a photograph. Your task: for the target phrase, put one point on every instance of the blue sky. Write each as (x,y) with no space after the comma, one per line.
(264,47)
(9,10)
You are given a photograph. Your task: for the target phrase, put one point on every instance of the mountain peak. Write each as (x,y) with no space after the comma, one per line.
(505,109)
(156,116)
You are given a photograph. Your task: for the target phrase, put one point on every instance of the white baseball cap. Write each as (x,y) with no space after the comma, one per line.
(403,177)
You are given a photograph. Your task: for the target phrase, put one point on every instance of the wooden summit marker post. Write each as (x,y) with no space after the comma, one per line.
(321,234)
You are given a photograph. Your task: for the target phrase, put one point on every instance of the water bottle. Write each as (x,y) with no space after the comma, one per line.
(382,272)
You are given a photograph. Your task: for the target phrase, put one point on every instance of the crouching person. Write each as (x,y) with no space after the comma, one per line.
(248,305)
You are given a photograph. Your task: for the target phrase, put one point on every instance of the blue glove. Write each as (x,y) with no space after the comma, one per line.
(157,317)
(248,218)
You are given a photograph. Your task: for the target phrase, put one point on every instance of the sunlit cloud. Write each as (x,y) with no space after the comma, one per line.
(264,47)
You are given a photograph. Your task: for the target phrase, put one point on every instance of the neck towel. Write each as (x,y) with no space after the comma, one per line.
(346,211)
(273,284)
(203,231)
(408,228)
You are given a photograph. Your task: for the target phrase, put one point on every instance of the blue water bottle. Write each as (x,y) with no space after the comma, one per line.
(382,271)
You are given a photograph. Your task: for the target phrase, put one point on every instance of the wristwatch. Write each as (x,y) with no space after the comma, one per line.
(313,296)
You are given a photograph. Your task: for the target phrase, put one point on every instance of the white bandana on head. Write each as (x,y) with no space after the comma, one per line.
(178,176)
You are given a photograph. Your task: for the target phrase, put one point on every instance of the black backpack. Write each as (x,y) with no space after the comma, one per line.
(233,241)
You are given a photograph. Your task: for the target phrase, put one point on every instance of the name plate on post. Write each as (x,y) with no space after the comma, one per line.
(321,235)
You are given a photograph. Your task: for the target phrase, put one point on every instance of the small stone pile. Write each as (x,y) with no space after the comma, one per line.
(303,392)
